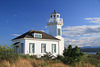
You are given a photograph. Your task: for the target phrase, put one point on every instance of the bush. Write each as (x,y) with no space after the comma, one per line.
(48,56)
(45,64)
(7,53)
(33,56)
(25,56)
(98,53)
(59,57)
(72,55)
(92,59)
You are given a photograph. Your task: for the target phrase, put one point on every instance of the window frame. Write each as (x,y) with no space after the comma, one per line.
(58,33)
(51,16)
(41,48)
(33,51)
(52,48)
(37,34)
(58,16)
(22,48)
(17,49)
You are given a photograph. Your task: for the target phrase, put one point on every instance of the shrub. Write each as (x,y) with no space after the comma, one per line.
(7,53)
(25,56)
(92,59)
(48,56)
(59,57)
(45,64)
(98,53)
(33,56)
(72,55)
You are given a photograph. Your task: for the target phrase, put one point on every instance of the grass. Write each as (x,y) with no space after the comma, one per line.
(26,61)
(92,59)
(37,63)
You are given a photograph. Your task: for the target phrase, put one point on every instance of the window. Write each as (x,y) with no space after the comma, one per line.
(43,48)
(54,16)
(31,48)
(53,48)
(59,31)
(51,16)
(17,49)
(37,35)
(22,47)
(57,15)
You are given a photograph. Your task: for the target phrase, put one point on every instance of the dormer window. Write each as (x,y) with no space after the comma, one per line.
(37,35)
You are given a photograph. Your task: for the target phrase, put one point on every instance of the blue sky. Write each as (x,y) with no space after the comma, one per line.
(81,19)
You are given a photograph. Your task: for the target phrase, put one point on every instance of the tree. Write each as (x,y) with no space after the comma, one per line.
(72,55)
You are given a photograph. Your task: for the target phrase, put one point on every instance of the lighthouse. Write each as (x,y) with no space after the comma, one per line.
(55,24)
(39,43)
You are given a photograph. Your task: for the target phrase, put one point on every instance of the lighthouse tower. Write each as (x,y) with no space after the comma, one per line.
(55,24)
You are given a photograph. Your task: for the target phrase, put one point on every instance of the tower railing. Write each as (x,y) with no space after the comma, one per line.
(55,20)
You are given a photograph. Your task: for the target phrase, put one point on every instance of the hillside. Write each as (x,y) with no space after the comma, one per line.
(87,61)
(31,63)
(90,49)
(72,57)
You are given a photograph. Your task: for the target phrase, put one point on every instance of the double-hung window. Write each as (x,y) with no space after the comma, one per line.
(43,48)
(31,48)
(53,48)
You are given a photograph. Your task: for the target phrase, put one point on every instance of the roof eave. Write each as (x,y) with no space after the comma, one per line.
(18,39)
(42,39)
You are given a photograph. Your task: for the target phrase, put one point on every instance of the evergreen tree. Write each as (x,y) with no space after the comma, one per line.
(72,55)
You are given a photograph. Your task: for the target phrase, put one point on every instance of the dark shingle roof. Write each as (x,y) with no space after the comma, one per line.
(29,35)
(16,43)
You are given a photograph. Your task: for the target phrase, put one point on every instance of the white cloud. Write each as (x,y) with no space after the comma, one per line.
(83,41)
(85,35)
(42,30)
(93,20)
(72,31)
(15,34)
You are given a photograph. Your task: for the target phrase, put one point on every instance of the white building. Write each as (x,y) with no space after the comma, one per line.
(38,43)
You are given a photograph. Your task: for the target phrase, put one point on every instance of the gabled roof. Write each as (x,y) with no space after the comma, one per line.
(29,35)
